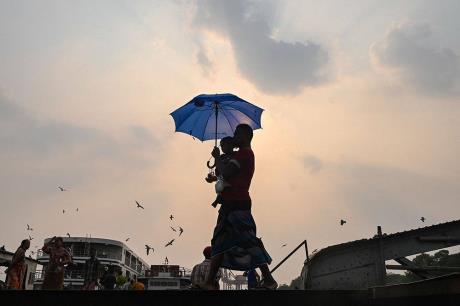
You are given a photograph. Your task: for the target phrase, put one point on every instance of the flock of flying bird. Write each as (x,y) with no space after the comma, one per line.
(148,248)
(170,243)
(342,222)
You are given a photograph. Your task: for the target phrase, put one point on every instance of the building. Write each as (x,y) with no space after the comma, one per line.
(108,252)
(166,277)
(5,260)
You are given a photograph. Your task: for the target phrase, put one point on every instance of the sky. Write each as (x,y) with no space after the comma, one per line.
(361,120)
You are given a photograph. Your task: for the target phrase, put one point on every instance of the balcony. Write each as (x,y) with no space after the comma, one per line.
(85,253)
(75,274)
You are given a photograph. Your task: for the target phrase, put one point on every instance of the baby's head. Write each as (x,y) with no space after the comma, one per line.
(227,145)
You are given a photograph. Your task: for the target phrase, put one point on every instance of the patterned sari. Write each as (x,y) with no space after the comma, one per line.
(235,237)
(17,272)
(54,275)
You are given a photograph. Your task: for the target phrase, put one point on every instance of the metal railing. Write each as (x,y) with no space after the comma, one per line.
(76,274)
(290,254)
(39,275)
(303,243)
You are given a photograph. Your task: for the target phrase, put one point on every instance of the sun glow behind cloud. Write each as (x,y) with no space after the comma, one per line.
(94,95)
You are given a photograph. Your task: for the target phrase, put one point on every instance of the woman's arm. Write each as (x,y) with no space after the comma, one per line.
(46,247)
(66,257)
(228,169)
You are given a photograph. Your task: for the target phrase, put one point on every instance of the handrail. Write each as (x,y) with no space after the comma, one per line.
(290,254)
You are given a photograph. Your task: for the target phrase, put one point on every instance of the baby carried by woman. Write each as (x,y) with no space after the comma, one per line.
(227,147)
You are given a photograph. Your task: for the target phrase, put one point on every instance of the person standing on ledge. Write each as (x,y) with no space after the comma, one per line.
(234,242)
(18,268)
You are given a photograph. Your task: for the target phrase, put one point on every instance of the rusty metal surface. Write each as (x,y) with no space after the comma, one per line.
(359,264)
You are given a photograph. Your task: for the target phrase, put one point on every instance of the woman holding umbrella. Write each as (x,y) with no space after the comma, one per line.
(234,244)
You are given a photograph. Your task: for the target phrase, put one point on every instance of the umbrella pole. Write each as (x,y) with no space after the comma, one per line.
(217,113)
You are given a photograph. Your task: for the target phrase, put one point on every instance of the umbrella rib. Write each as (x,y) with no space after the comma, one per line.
(205,126)
(257,124)
(228,114)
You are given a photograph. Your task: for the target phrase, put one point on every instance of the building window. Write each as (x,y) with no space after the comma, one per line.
(31,278)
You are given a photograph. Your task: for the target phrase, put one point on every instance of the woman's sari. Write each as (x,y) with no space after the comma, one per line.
(54,275)
(17,272)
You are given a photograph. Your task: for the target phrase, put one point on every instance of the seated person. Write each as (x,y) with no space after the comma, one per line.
(227,146)
(200,271)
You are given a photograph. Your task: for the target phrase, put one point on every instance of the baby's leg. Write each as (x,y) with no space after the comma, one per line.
(217,200)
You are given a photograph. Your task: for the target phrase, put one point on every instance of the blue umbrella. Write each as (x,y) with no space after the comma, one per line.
(208,117)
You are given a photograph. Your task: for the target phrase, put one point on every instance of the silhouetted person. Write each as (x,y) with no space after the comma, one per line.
(253,279)
(121,280)
(227,146)
(109,279)
(200,271)
(59,257)
(137,285)
(16,272)
(234,244)
(91,272)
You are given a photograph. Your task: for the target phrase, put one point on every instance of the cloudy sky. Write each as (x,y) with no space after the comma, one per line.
(362,118)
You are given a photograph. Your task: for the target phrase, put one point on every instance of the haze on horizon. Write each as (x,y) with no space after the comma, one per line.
(361,121)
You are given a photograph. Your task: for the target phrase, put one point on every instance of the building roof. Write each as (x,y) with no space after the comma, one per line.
(100,241)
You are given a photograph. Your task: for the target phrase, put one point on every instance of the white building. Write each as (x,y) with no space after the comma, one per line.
(5,260)
(108,252)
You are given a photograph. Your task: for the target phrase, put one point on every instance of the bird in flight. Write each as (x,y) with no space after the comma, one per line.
(127,239)
(68,235)
(181,230)
(284,245)
(31,238)
(174,230)
(169,243)
(62,188)
(29,228)
(171,217)
(139,205)
(342,222)
(422,219)
(148,248)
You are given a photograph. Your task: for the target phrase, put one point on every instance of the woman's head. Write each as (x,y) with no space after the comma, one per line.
(59,242)
(243,135)
(25,244)
(207,252)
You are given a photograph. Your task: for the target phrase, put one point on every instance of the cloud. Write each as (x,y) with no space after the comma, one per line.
(204,61)
(410,50)
(312,163)
(276,67)
(38,152)
(21,132)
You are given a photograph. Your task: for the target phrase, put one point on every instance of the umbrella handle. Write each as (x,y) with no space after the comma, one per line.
(209,165)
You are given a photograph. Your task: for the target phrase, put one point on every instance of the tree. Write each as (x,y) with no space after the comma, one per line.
(440,258)
(296,284)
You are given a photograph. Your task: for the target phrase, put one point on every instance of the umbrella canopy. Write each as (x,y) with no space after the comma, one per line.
(212,117)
